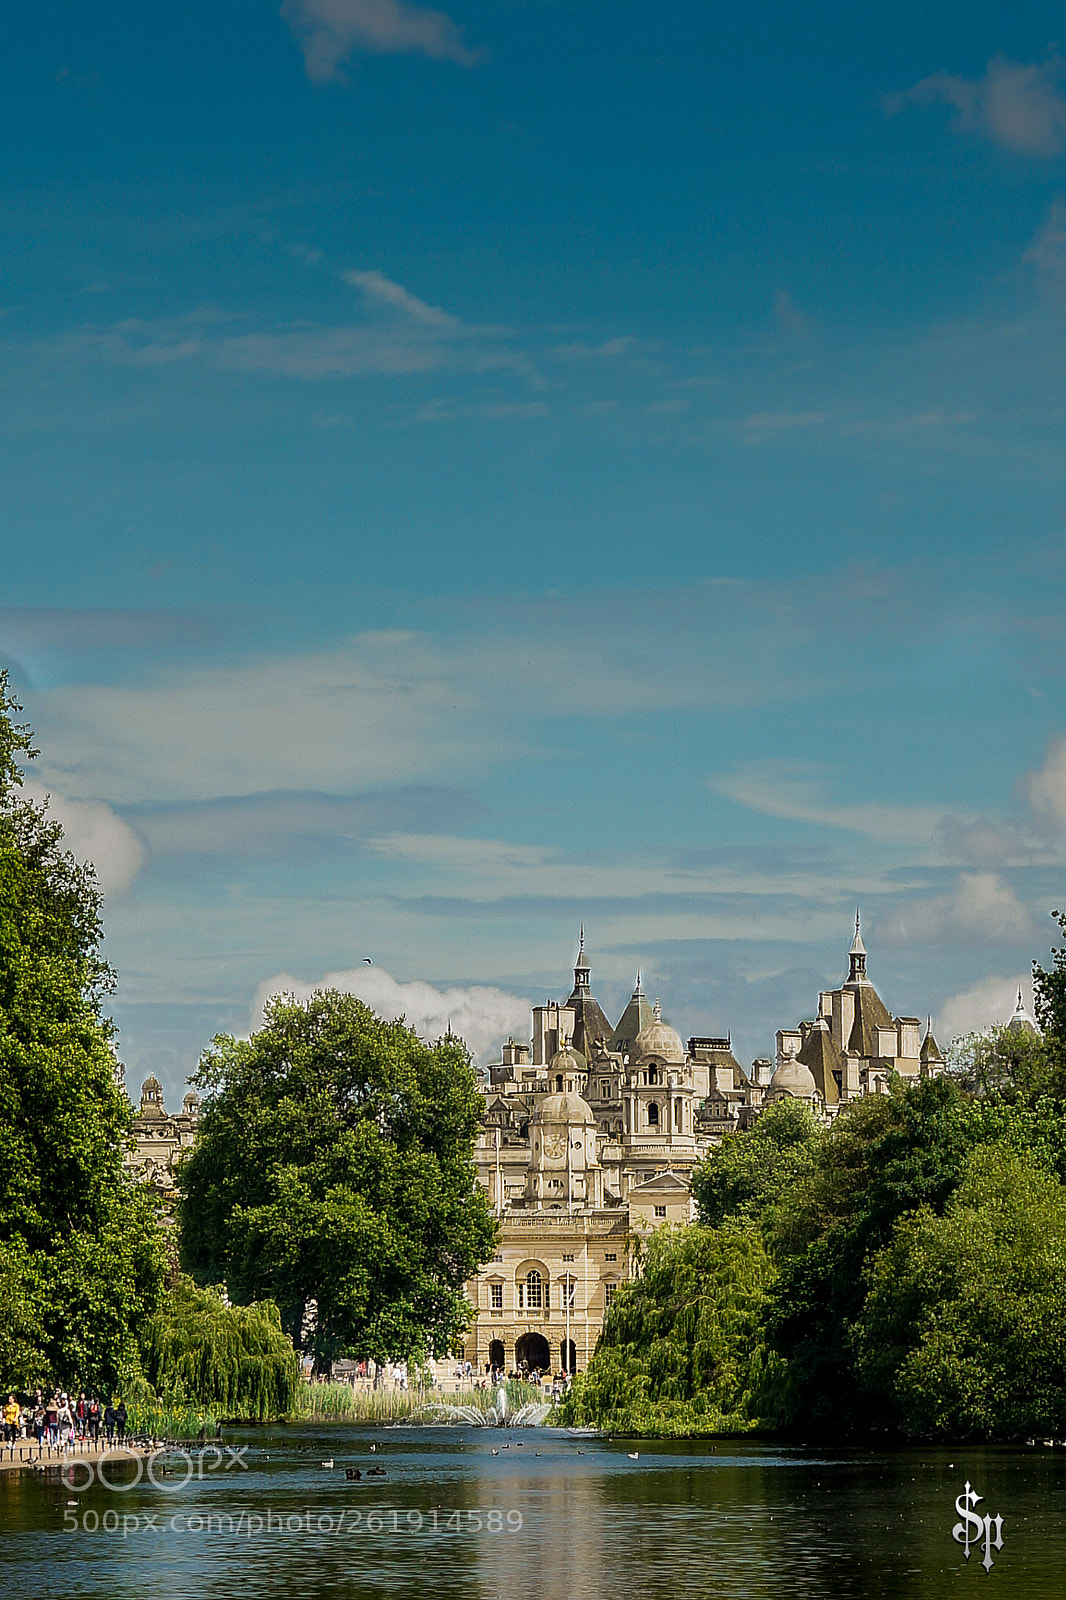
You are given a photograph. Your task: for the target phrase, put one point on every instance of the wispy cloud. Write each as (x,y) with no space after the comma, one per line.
(380,290)
(979,908)
(1047,787)
(1019,106)
(330,32)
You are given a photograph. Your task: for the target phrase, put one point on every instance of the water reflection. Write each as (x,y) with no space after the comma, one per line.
(681,1520)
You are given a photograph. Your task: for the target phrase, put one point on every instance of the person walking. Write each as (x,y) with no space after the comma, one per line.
(94,1419)
(51,1418)
(121,1415)
(12,1418)
(66,1421)
(109,1422)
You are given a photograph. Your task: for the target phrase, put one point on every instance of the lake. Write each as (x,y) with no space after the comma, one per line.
(550,1515)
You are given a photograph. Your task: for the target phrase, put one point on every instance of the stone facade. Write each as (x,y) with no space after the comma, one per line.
(589,1140)
(160,1136)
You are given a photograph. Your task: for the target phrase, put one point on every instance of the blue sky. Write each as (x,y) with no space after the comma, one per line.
(468,471)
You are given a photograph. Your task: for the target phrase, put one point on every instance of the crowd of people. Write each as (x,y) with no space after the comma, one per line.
(63,1419)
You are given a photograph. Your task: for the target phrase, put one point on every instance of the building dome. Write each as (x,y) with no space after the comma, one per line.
(659,1039)
(567,1060)
(151,1084)
(564,1108)
(794,1079)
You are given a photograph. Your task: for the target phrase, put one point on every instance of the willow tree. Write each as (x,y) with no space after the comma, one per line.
(81,1258)
(237,1360)
(334,1164)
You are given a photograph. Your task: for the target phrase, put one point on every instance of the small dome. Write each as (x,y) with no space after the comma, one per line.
(568,1108)
(151,1085)
(659,1039)
(567,1060)
(793,1078)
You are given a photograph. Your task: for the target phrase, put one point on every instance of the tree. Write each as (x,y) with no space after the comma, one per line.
(333,1164)
(963,1334)
(749,1172)
(236,1360)
(81,1248)
(682,1350)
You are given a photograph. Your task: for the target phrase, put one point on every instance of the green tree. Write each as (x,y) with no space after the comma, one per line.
(81,1244)
(681,1350)
(333,1164)
(236,1360)
(749,1172)
(963,1332)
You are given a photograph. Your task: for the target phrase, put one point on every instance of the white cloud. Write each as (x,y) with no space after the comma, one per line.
(93,832)
(987,1003)
(764,423)
(1047,788)
(1017,105)
(979,908)
(483,1016)
(329,32)
(1047,253)
(382,291)
(767,788)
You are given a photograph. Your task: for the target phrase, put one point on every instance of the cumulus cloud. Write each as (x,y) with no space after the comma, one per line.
(1017,105)
(329,32)
(984,1005)
(980,907)
(1047,788)
(483,1016)
(94,832)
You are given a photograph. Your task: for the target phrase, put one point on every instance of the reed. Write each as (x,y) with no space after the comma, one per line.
(345,1402)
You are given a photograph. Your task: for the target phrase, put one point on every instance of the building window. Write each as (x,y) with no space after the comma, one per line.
(534,1292)
(569,1285)
(610,1255)
(653,1114)
(653,1076)
(608,1294)
(568,1258)
(496,1296)
(660,1211)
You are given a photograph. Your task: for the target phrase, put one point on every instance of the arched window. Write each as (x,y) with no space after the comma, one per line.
(531,1293)
(653,1114)
(559,1084)
(653,1075)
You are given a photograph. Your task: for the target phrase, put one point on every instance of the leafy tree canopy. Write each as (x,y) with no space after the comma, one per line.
(235,1360)
(681,1350)
(80,1248)
(333,1164)
(747,1174)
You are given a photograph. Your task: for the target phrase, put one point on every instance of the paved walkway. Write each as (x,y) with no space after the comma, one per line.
(26,1453)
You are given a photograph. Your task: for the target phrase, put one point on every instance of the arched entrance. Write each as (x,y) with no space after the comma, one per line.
(568,1355)
(496,1355)
(534,1350)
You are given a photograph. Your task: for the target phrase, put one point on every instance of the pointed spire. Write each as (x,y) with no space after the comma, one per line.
(857,956)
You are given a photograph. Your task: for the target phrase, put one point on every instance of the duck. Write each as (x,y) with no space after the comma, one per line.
(495,1452)
(634,1455)
(328,1463)
(376,1472)
(352,1474)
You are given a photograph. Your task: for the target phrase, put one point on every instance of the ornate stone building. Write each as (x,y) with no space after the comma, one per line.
(589,1139)
(161,1136)
(851,1048)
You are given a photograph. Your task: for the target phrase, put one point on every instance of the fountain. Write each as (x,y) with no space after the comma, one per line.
(440,1412)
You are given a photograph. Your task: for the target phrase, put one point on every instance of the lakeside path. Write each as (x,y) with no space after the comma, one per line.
(25,1455)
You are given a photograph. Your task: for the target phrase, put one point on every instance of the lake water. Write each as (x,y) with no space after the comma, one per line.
(550,1516)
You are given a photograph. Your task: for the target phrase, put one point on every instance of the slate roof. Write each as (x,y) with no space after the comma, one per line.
(822,1058)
